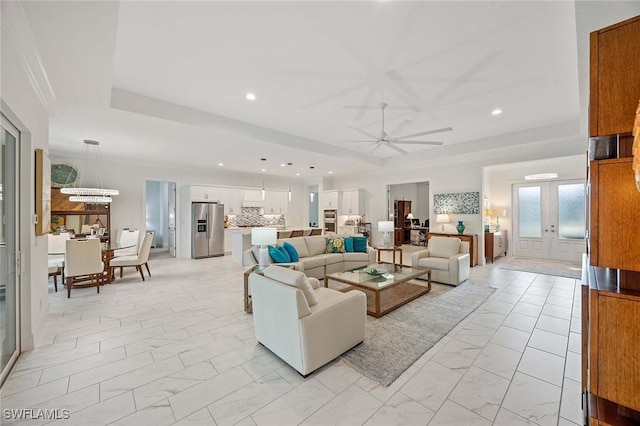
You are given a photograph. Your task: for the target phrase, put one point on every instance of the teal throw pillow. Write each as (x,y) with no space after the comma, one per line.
(360,244)
(348,244)
(293,253)
(279,254)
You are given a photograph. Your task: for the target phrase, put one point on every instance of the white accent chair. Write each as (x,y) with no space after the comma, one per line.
(83,258)
(128,236)
(447,257)
(137,260)
(305,337)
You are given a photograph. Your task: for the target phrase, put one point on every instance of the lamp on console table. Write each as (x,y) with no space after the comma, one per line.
(263,237)
(443,218)
(386,227)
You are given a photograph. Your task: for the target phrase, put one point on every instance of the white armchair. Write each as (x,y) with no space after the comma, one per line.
(447,257)
(305,337)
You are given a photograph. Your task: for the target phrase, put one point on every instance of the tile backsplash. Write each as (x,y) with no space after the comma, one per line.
(252,216)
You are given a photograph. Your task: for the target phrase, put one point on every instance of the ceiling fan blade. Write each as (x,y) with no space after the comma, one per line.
(429,132)
(392,146)
(377,145)
(417,142)
(374,137)
(400,126)
(369,141)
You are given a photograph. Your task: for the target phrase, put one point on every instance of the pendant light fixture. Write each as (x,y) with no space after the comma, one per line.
(289,192)
(264,192)
(92,163)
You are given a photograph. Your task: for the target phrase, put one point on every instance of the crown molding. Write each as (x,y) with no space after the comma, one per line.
(16,28)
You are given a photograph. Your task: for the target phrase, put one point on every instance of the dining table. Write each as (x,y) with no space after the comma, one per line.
(108,250)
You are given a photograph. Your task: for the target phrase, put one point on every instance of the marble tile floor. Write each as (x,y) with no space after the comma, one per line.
(179,349)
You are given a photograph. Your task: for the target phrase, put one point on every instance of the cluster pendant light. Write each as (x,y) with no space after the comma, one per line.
(87,194)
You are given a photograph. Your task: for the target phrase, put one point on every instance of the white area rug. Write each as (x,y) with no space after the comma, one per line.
(397,340)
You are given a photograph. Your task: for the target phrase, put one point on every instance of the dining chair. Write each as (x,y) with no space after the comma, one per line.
(56,248)
(128,236)
(54,271)
(83,257)
(297,233)
(316,232)
(135,260)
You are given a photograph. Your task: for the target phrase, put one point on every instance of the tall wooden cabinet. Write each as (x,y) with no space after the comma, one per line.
(611,292)
(495,244)
(614,78)
(401,209)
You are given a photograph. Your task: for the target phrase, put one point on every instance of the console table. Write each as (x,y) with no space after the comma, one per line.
(472,239)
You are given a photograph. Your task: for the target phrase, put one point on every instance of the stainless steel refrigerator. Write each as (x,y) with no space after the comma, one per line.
(207,235)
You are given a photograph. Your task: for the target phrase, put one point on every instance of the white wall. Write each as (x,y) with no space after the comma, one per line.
(23,107)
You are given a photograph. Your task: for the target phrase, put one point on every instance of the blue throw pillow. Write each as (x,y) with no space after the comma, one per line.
(360,244)
(279,254)
(293,253)
(348,244)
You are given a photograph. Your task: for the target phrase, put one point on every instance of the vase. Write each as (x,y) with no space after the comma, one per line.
(460,227)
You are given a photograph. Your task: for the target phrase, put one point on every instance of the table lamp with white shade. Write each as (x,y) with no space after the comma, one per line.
(263,237)
(410,217)
(386,227)
(443,218)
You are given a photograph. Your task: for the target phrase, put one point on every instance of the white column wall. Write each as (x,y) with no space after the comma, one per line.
(24,109)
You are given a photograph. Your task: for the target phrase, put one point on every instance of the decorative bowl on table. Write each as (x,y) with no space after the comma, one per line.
(376,272)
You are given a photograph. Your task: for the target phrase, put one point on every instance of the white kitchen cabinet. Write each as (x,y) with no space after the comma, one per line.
(231,199)
(330,199)
(347,229)
(205,193)
(276,202)
(352,202)
(252,195)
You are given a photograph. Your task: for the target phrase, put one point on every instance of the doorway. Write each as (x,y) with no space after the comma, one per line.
(9,249)
(161,215)
(550,220)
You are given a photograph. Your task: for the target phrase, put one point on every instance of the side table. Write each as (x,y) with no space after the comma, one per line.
(248,306)
(393,249)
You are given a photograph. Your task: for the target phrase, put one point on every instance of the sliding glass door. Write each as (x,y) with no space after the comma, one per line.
(9,307)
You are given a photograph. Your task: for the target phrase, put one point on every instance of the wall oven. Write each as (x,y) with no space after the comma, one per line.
(330,218)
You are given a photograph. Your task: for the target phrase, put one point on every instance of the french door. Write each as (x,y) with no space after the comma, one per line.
(549,220)
(9,302)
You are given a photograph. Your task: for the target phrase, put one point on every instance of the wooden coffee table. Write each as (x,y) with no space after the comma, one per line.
(387,292)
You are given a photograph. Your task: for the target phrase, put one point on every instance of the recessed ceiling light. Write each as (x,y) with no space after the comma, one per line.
(264,170)
(250,96)
(496,111)
(297,174)
(541,176)
(330,172)
(282,165)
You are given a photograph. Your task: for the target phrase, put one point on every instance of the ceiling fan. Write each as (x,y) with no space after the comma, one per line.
(384,139)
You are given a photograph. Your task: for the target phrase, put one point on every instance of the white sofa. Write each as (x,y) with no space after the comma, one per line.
(305,337)
(313,259)
(447,257)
